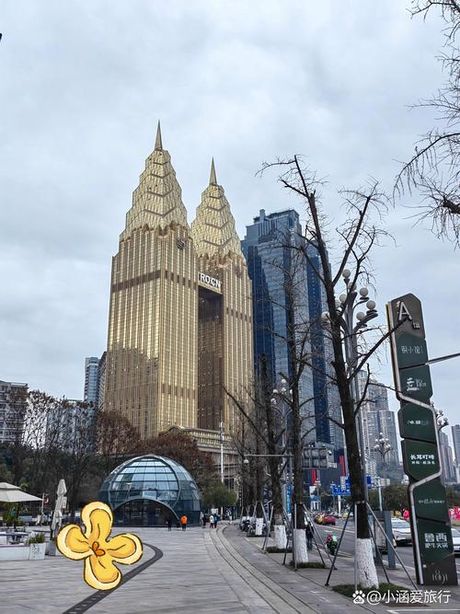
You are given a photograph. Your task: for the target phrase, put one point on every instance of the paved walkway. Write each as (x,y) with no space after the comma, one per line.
(197,571)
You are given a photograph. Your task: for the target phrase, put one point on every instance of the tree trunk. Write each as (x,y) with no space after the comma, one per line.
(300,552)
(366,570)
(274,461)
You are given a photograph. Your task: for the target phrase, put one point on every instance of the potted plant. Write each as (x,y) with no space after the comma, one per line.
(37,546)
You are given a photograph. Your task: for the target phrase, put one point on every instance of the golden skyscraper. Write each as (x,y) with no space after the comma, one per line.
(180,320)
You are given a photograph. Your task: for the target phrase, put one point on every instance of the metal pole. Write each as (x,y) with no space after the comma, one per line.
(222,452)
(337,549)
(390,543)
(294,537)
(355,570)
(351,355)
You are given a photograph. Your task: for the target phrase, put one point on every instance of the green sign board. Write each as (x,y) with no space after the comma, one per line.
(416,383)
(407,317)
(411,350)
(433,547)
(440,573)
(435,539)
(420,459)
(430,501)
(416,422)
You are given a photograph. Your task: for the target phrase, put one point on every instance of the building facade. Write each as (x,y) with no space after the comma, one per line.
(456,442)
(13,409)
(377,418)
(327,398)
(282,274)
(180,320)
(70,427)
(447,459)
(91,389)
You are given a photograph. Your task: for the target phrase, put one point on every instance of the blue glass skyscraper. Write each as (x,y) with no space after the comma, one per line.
(279,275)
(270,249)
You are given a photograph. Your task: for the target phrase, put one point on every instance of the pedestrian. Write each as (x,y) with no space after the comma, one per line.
(211,521)
(169,522)
(216,520)
(309,535)
(183,522)
(205,520)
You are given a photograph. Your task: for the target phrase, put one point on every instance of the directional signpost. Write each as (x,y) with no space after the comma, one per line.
(431,532)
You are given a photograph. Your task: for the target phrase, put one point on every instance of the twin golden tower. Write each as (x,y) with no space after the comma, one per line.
(180,321)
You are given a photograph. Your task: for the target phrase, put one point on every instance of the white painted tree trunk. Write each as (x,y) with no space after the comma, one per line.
(367,572)
(300,551)
(280,536)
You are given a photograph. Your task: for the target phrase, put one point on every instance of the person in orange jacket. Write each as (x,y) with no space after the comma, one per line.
(183,522)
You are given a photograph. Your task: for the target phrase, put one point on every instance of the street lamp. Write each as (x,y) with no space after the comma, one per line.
(351,324)
(382,445)
(283,411)
(441,419)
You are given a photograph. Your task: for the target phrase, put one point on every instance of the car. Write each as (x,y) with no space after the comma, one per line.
(319,518)
(456,540)
(401,531)
(328,519)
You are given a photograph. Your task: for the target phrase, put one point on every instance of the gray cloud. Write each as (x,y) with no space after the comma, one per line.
(82,85)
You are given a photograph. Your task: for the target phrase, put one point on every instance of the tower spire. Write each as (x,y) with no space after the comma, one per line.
(212,176)
(213,230)
(157,200)
(158,142)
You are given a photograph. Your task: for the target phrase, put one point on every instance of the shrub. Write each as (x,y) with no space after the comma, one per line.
(39,538)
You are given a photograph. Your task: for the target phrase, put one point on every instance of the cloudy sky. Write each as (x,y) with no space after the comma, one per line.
(82,85)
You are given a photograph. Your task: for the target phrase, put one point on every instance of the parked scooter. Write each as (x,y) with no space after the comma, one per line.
(331,543)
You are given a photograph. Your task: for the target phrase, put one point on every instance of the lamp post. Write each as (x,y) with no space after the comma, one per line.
(283,411)
(351,324)
(221,427)
(441,419)
(382,445)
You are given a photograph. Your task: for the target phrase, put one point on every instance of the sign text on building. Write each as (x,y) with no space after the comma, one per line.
(210,281)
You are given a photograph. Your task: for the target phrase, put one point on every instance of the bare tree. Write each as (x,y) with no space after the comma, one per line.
(288,413)
(434,168)
(116,438)
(358,235)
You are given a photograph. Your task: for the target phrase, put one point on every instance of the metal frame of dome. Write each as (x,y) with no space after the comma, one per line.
(189,506)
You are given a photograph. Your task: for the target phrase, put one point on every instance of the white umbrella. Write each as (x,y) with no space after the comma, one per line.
(9,493)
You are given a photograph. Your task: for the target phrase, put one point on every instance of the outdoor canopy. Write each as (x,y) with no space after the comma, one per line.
(9,493)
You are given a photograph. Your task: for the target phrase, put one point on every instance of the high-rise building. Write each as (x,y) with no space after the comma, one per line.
(13,407)
(69,426)
(447,459)
(101,381)
(91,389)
(180,321)
(456,442)
(280,282)
(327,398)
(377,418)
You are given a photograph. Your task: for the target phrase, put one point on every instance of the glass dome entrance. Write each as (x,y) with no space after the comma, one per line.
(144,491)
(143,513)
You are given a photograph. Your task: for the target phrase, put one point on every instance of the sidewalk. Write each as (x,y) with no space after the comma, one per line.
(198,571)
(308,585)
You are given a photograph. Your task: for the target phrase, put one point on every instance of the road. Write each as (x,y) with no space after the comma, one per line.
(405,553)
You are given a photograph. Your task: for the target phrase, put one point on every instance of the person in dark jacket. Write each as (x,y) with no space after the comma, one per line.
(309,535)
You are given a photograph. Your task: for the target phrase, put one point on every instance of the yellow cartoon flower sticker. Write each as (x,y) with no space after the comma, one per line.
(94,546)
